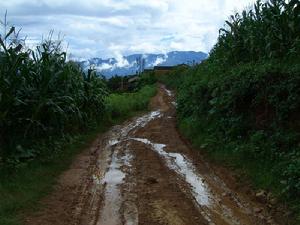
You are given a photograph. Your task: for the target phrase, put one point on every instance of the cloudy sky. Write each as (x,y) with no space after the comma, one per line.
(110,28)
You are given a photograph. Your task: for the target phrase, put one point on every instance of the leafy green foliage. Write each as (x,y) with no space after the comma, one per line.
(174,78)
(43,95)
(269,30)
(130,83)
(242,104)
(21,190)
(147,78)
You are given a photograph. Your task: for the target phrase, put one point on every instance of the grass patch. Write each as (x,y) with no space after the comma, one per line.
(22,188)
(123,105)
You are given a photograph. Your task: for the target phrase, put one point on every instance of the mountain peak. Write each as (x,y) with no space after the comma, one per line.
(127,65)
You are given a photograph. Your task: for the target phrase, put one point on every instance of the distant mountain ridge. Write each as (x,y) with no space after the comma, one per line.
(127,65)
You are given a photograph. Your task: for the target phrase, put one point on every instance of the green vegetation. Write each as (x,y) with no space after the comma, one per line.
(50,111)
(242,105)
(122,105)
(20,190)
(130,83)
(43,95)
(175,78)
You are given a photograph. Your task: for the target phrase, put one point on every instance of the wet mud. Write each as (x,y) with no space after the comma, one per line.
(143,172)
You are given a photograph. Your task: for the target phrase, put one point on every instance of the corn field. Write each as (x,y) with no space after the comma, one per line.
(42,95)
(269,30)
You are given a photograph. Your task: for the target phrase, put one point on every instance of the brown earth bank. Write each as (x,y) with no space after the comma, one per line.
(144,172)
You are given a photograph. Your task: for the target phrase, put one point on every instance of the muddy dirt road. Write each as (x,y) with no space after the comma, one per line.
(143,172)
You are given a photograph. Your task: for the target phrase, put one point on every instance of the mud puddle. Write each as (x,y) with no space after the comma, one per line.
(203,197)
(182,166)
(112,180)
(142,172)
(169,93)
(119,168)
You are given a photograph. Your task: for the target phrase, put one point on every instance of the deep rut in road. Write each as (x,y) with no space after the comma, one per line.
(142,172)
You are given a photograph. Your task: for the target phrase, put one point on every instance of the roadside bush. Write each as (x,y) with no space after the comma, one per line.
(257,103)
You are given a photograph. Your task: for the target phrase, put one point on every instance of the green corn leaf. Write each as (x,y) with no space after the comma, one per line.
(12,29)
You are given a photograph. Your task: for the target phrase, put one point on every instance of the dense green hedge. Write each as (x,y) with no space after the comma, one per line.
(253,103)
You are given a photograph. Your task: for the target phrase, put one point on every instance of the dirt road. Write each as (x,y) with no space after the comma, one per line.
(143,172)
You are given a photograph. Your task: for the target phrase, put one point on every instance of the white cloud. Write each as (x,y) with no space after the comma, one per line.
(121,61)
(106,28)
(104,66)
(158,61)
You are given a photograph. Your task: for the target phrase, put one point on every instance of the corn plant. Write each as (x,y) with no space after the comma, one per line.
(43,95)
(269,30)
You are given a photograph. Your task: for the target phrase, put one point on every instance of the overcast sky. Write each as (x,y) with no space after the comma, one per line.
(110,28)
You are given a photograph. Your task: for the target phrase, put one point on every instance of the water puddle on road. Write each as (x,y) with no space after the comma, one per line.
(201,193)
(181,165)
(138,123)
(118,169)
(113,198)
(119,207)
(112,179)
(169,92)
(113,142)
(117,201)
